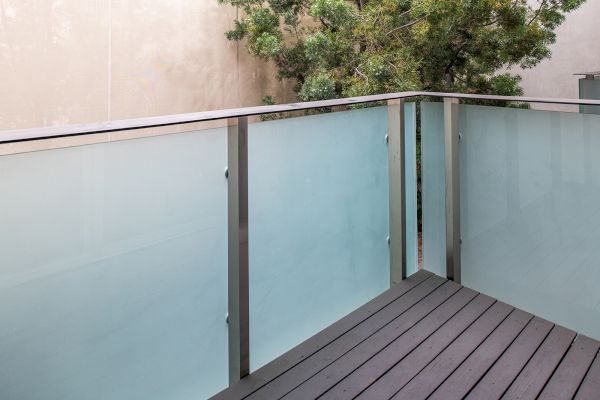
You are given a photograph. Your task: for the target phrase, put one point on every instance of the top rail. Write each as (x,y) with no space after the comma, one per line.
(52,132)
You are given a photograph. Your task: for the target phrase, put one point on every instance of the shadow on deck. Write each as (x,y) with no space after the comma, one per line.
(432,338)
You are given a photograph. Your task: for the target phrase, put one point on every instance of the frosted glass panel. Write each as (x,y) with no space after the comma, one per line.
(530,201)
(531,211)
(412,247)
(318,196)
(433,188)
(113,279)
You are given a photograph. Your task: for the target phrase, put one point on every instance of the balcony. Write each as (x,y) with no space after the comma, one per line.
(279,259)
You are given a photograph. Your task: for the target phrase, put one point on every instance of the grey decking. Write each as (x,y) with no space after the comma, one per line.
(432,338)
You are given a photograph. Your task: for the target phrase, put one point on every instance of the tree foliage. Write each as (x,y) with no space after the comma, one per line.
(341,48)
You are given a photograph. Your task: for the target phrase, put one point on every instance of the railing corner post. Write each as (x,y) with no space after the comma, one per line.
(452,173)
(397,190)
(238,290)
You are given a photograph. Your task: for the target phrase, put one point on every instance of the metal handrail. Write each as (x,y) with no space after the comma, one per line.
(53,132)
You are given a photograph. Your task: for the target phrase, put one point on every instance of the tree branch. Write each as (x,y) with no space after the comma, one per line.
(411,23)
(366,78)
(537,14)
(402,14)
(325,23)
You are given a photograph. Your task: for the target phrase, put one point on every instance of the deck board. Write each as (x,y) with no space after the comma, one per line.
(317,342)
(590,387)
(422,385)
(542,365)
(387,385)
(504,371)
(383,361)
(392,314)
(343,366)
(567,378)
(464,378)
(432,338)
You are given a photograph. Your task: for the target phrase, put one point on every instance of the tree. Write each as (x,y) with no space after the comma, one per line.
(341,48)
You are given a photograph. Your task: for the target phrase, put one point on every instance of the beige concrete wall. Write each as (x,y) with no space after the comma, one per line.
(77,61)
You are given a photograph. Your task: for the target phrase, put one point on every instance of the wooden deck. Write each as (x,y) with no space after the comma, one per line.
(429,338)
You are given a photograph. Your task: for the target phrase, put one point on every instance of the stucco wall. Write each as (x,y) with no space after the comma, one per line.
(74,61)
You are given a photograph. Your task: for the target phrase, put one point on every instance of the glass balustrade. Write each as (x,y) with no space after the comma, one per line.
(114,272)
(318,218)
(113,280)
(530,195)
